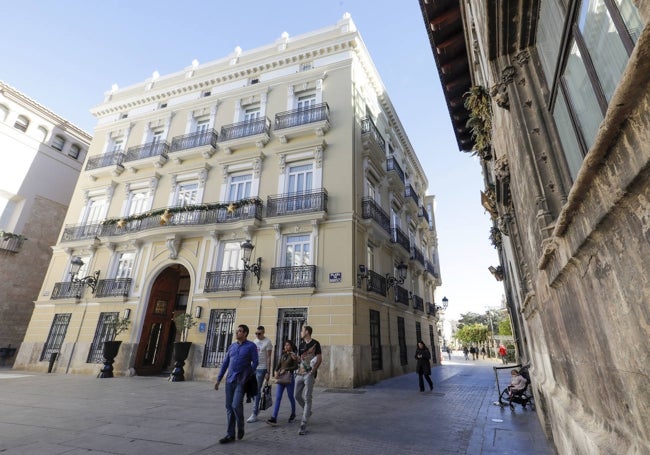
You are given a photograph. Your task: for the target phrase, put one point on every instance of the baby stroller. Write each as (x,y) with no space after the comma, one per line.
(523,397)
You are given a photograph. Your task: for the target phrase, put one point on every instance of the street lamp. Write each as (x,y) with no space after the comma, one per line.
(392,281)
(246,252)
(445,302)
(90,280)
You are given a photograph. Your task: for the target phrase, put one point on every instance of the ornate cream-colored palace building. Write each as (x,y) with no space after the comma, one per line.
(294,146)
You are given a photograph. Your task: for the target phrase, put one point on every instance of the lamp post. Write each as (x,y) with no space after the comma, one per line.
(91,280)
(392,281)
(246,252)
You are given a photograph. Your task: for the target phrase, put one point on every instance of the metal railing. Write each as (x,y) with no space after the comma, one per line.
(244,129)
(81,232)
(398,236)
(401,295)
(107,159)
(370,210)
(376,283)
(192,140)
(226,280)
(430,268)
(368,127)
(417,255)
(66,290)
(418,302)
(302,116)
(431,308)
(302,276)
(113,287)
(393,166)
(422,212)
(148,150)
(10,243)
(293,203)
(410,192)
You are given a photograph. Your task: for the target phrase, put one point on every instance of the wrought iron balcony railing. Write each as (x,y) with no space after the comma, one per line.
(244,129)
(114,287)
(368,127)
(193,140)
(225,280)
(422,212)
(107,159)
(416,254)
(376,283)
(81,232)
(398,236)
(66,290)
(394,167)
(295,203)
(401,295)
(371,210)
(302,276)
(10,243)
(430,268)
(302,116)
(431,308)
(148,150)
(418,302)
(409,192)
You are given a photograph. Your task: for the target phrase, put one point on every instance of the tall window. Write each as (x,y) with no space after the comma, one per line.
(372,190)
(432,340)
(298,250)
(58,142)
(22,123)
(202,126)
(375,341)
(187,194)
(240,187)
(117,145)
(370,257)
(103,332)
(95,210)
(56,336)
(218,338)
(252,113)
(231,257)
(138,201)
(74,151)
(300,178)
(418,331)
(401,339)
(125,263)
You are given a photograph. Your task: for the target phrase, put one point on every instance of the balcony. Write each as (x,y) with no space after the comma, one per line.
(303,276)
(297,203)
(115,287)
(398,236)
(418,302)
(431,308)
(395,172)
(401,295)
(253,133)
(151,154)
(10,243)
(370,210)
(202,143)
(74,232)
(223,281)
(411,196)
(313,120)
(374,145)
(376,283)
(66,290)
(416,255)
(423,213)
(430,268)
(108,164)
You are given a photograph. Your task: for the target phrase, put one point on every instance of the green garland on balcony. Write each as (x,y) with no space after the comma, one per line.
(477,102)
(230,206)
(10,235)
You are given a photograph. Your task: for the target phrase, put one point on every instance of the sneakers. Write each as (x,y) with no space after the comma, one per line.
(252,418)
(272,421)
(292,417)
(303,429)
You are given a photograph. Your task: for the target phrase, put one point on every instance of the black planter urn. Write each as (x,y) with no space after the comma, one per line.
(110,352)
(181,351)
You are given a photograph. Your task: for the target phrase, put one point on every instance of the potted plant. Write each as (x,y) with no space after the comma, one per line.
(184,322)
(115,326)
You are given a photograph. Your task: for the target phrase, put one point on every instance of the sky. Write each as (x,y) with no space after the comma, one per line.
(67,54)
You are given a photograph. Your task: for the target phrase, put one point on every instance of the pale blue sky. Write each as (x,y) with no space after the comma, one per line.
(66,54)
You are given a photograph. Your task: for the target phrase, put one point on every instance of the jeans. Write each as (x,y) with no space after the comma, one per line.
(279,390)
(302,393)
(259,376)
(421,381)
(234,406)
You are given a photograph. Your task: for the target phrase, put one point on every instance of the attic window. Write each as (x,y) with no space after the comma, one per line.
(255,81)
(21,123)
(206,93)
(124,115)
(162,106)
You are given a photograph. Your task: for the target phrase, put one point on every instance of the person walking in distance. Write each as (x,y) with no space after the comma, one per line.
(240,362)
(449,352)
(287,365)
(310,359)
(423,366)
(264,354)
(503,352)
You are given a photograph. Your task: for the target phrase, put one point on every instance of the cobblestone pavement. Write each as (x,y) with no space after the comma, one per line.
(45,414)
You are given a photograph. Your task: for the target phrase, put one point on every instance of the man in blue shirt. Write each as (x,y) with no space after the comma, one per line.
(241,361)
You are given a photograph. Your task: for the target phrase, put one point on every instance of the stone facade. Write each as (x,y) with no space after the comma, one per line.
(573,240)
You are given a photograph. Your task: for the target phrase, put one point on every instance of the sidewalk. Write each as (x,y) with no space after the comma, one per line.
(48,414)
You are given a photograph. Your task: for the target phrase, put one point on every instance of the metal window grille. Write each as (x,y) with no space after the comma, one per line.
(401,338)
(418,331)
(290,321)
(56,335)
(219,337)
(434,357)
(375,341)
(102,333)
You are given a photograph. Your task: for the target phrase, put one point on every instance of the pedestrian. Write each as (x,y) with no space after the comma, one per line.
(310,359)
(288,363)
(449,352)
(423,366)
(240,362)
(503,353)
(472,350)
(264,354)
(483,352)
(466,352)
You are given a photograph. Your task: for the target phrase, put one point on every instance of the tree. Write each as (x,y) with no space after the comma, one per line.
(475,333)
(505,328)
(468,319)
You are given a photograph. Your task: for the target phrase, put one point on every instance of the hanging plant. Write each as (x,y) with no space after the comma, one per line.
(495,237)
(477,102)
(10,235)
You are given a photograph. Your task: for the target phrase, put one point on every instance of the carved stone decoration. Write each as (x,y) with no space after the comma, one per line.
(282,159)
(501,168)
(257,167)
(522,58)
(224,173)
(499,93)
(508,74)
(503,223)
(173,244)
(318,156)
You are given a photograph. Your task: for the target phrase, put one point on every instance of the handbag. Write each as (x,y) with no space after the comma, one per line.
(284,378)
(266,401)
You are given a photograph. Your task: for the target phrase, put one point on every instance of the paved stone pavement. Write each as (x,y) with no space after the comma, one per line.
(48,414)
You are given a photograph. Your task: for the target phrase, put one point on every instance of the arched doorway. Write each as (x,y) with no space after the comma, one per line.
(168,296)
